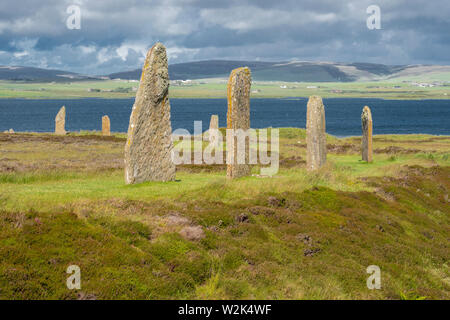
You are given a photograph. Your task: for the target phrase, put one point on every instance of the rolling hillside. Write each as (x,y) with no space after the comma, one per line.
(18,73)
(261,71)
(294,71)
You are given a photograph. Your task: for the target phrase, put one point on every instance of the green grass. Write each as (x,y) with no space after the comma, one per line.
(216,88)
(306,236)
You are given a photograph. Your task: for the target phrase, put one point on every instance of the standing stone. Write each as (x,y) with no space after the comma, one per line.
(60,121)
(238,117)
(106,126)
(316,139)
(213,130)
(366,119)
(149,144)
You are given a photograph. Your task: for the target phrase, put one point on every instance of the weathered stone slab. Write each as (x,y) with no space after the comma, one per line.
(316,139)
(367,127)
(149,144)
(60,121)
(238,117)
(214,130)
(106,126)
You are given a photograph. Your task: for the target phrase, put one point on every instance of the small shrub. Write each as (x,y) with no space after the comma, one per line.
(393,158)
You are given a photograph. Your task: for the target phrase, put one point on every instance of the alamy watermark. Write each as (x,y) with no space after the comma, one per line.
(374,20)
(242,147)
(374,281)
(73,21)
(74,280)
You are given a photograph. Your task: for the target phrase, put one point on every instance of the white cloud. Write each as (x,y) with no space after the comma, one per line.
(246,18)
(104,55)
(115,35)
(21,54)
(125,48)
(87,49)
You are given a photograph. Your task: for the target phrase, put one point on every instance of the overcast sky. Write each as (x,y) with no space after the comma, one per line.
(115,35)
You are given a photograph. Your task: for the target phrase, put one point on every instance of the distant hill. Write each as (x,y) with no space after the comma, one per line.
(261,71)
(298,71)
(17,73)
(290,71)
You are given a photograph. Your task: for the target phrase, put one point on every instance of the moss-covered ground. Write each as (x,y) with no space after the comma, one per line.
(297,235)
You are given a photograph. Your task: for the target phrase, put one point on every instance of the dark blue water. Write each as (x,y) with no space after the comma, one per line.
(342,115)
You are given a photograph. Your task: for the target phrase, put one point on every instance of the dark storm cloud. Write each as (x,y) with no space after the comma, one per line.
(115,35)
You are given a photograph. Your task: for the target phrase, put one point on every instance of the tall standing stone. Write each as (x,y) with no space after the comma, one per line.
(149,144)
(238,117)
(366,145)
(316,139)
(106,126)
(214,130)
(60,121)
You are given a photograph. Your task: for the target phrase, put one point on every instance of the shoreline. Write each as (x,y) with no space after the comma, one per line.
(222,98)
(81,133)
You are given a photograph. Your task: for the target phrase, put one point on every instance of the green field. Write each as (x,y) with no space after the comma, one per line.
(216,88)
(297,235)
